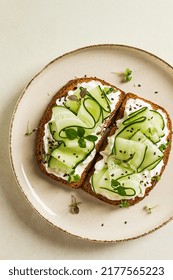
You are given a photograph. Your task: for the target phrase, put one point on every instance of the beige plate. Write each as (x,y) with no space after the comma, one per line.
(96,220)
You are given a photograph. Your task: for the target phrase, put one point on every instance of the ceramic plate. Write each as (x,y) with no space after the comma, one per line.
(153,80)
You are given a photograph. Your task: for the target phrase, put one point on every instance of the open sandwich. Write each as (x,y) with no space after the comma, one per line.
(112,145)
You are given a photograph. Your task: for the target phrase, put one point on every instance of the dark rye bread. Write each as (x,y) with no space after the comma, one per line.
(87,186)
(71,85)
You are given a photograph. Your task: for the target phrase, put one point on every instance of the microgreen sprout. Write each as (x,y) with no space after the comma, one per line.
(120,189)
(163,147)
(128,75)
(72,134)
(72,177)
(124,204)
(29,131)
(149,210)
(74,205)
(156,178)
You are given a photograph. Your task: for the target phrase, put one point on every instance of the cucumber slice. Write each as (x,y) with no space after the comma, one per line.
(154,122)
(66,156)
(64,118)
(152,156)
(152,134)
(138,136)
(143,112)
(131,185)
(73,105)
(142,124)
(89,112)
(74,144)
(60,112)
(85,116)
(93,108)
(71,154)
(125,189)
(53,130)
(100,179)
(105,115)
(133,114)
(117,169)
(101,98)
(58,166)
(130,152)
(157,118)
(68,123)
(158,122)
(128,131)
(152,166)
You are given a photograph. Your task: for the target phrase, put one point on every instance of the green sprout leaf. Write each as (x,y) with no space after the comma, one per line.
(82,143)
(80,131)
(71,133)
(121,190)
(91,138)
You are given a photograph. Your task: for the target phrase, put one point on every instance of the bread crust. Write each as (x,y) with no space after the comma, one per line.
(87,186)
(71,85)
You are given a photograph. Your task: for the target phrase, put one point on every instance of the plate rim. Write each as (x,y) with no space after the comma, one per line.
(11,128)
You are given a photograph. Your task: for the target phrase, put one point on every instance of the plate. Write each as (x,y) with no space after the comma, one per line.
(96,221)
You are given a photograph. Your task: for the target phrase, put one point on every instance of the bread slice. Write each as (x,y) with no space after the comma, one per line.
(45,140)
(95,184)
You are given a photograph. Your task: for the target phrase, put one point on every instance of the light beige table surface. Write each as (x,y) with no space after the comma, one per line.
(32,33)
